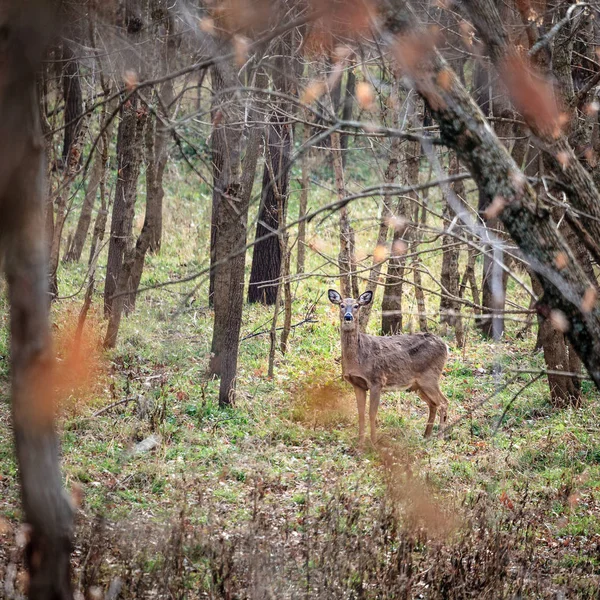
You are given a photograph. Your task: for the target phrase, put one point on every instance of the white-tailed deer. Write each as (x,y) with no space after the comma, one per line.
(375,363)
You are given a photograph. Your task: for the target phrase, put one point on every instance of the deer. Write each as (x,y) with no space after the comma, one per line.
(374,363)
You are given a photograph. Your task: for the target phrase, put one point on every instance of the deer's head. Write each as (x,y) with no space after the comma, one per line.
(349,308)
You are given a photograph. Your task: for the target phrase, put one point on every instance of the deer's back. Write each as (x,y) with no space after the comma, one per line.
(399,361)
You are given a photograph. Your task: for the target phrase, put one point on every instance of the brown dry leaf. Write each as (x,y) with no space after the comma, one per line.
(533,96)
(591,109)
(444,79)
(590,156)
(559,321)
(518,180)
(130,79)
(563,159)
(561,261)
(342,53)
(5,526)
(312,92)
(589,299)
(396,222)
(467,32)
(217,118)
(399,248)
(495,208)
(412,49)
(365,95)
(359,255)
(241,46)
(380,253)
(77,495)
(317,244)
(95,593)
(207,25)
(338,19)
(249,17)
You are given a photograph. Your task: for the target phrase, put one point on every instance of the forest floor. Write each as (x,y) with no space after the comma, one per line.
(272,498)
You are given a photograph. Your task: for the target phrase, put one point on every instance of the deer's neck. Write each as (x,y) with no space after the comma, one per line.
(350,358)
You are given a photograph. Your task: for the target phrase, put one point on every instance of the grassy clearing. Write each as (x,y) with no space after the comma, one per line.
(271,498)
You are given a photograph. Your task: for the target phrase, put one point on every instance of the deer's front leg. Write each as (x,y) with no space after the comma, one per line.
(373,407)
(361,402)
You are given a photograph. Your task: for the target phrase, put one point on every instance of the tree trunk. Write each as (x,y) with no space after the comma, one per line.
(450,277)
(230,224)
(303,202)
(345,256)
(417,265)
(22,194)
(157,138)
(97,173)
(391,306)
(347,112)
(73,98)
(385,221)
(129,156)
(266,261)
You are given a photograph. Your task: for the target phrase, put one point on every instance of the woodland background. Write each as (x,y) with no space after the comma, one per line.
(212,168)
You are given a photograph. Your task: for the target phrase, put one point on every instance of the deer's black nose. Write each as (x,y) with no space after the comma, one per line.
(347,317)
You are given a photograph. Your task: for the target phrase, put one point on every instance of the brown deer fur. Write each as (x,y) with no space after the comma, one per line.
(376,363)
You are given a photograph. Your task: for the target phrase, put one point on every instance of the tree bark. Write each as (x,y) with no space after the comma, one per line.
(391,306)
(303,201)
(391,173)
(266,259)
(157,138)
(97,173)
(22,194)
(450,277)
(73,98)
(129,157)
(230,223)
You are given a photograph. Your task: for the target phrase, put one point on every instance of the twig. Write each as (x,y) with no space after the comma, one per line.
(308,319)
(529,383)
(107,408)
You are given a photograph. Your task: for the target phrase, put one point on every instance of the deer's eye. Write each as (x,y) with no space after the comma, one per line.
(355,306)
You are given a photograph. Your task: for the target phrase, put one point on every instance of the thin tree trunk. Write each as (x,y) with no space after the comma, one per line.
(157,137)
(385,221)
(129,153)
(450,277)
(391,306)
(303,202)
(417,265)
(97,173)
(347,112)
(267,258)
(73,98)
(345,255)
(102,215)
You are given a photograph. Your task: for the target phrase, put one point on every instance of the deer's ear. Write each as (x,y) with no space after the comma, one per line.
(365,298)
(334,297)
